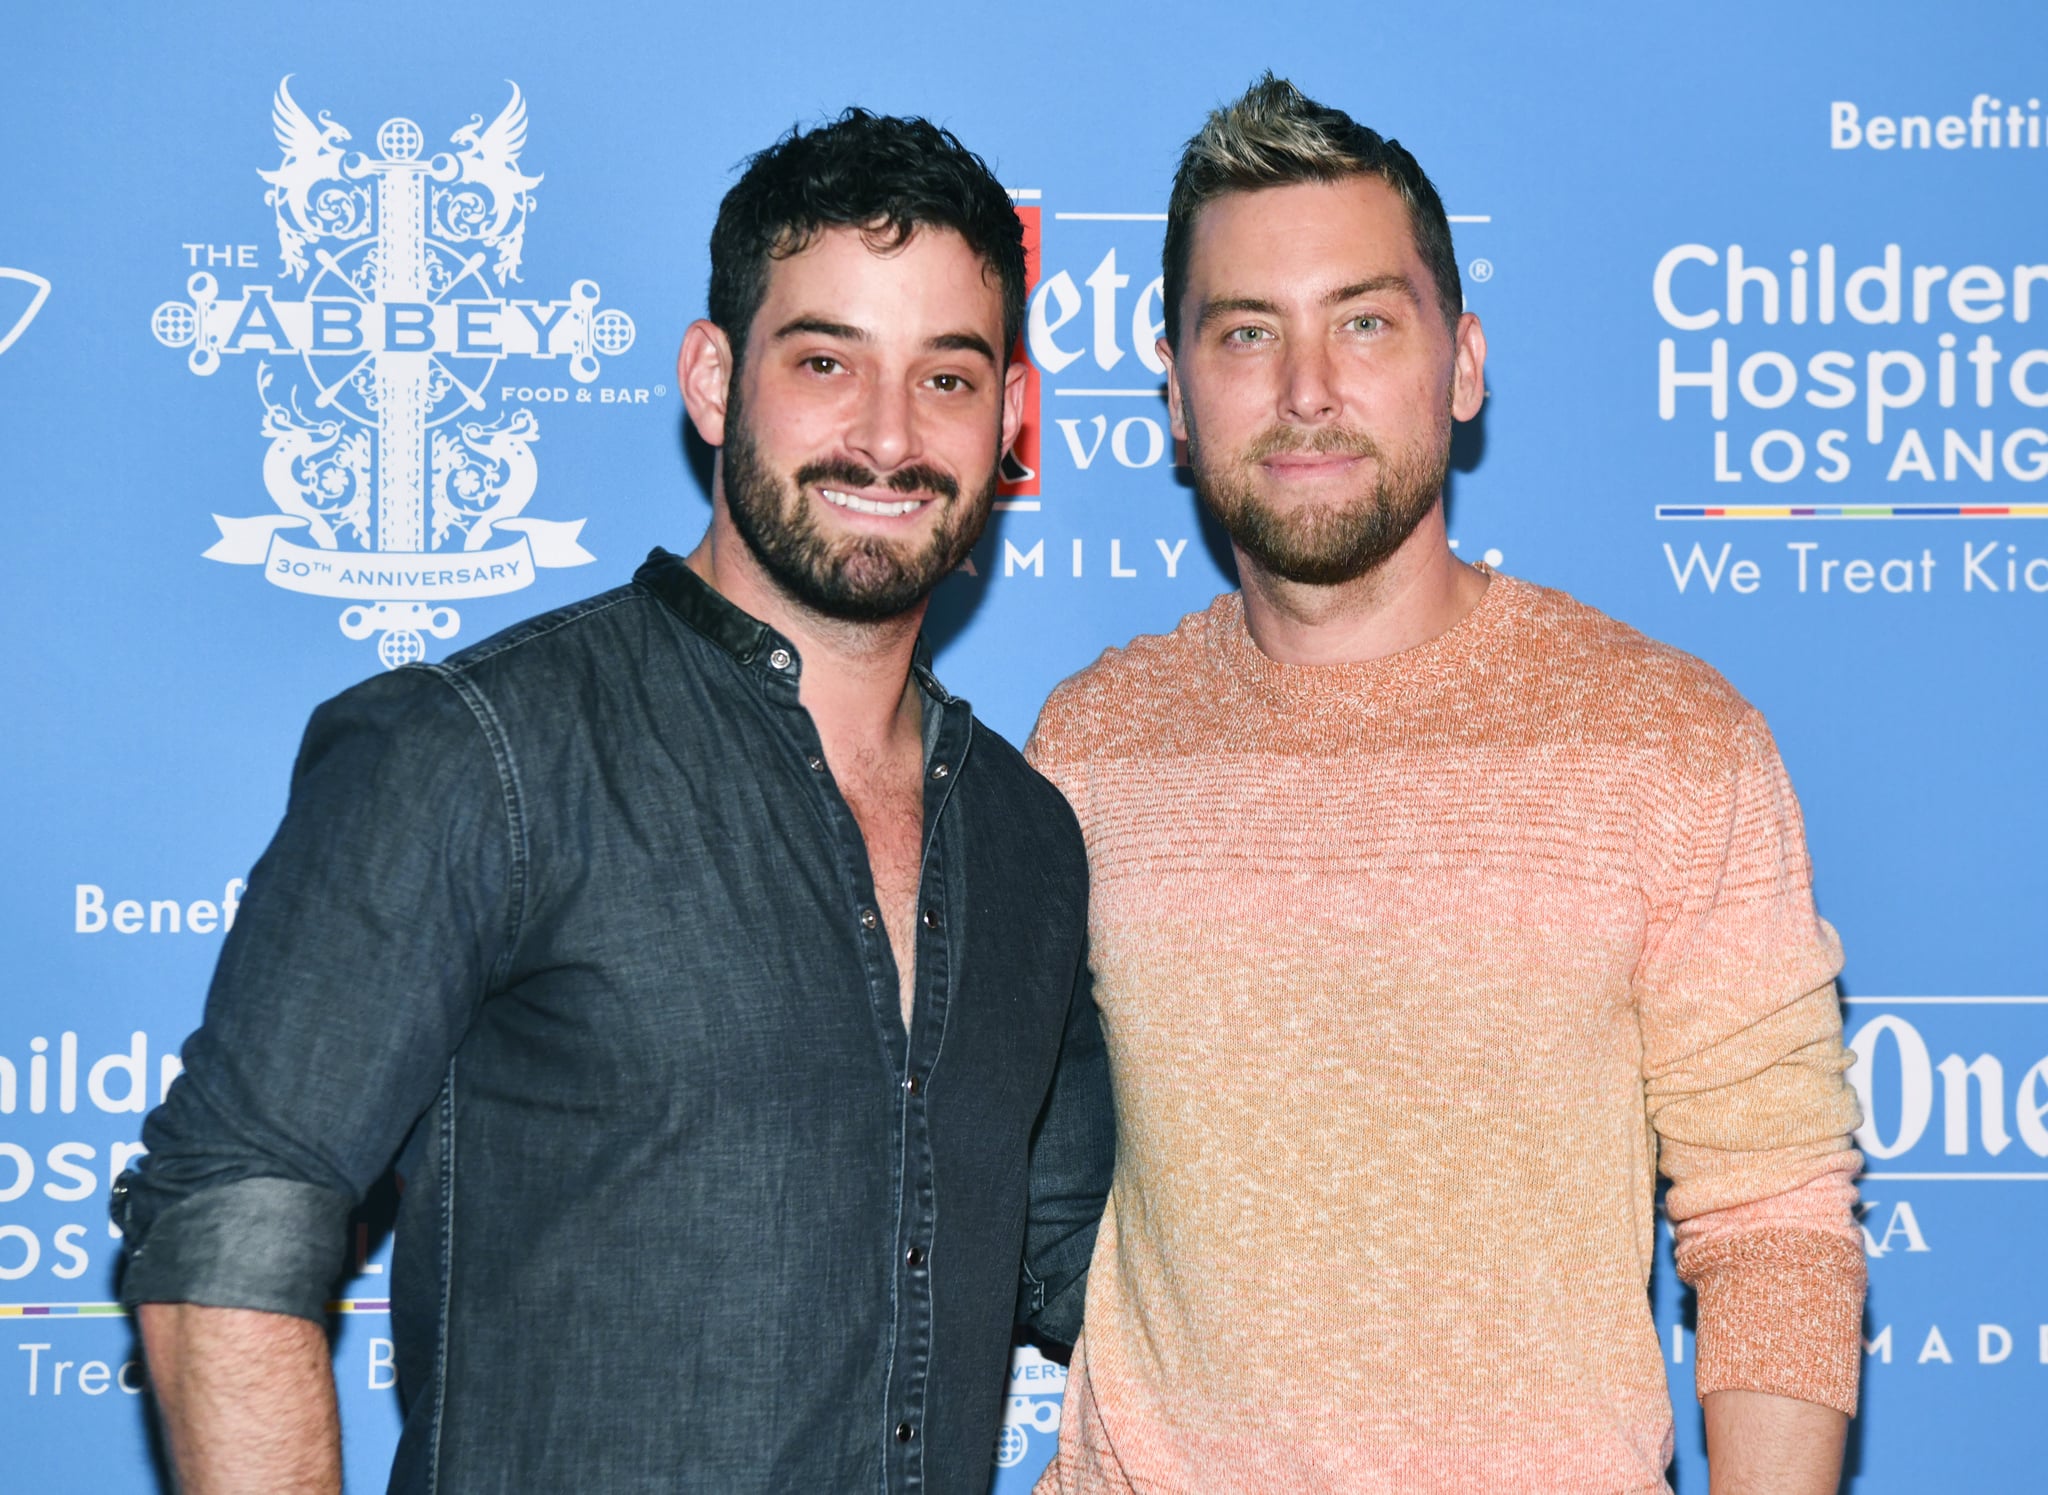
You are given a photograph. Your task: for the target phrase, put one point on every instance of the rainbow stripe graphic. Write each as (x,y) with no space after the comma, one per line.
(115,1310)
(1852,511)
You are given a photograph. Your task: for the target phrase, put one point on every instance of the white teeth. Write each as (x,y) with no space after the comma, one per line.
(861,505)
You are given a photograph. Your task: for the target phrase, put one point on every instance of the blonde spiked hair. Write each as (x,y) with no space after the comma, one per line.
(1274,136)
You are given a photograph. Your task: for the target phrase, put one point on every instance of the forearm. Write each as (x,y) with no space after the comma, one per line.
(247,1400)
(1759,1444)
(1073,1159)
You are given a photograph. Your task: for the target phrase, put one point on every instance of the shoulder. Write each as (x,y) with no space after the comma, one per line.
(557,668)
(1590,676)
(1130,696)
(565,636)
(1589,647)
(1038,803)
(479,693)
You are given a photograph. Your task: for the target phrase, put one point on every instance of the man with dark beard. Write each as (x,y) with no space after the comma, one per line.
(715,960)
(1431,911)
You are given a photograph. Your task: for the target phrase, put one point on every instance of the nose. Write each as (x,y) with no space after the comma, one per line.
(884,429)
(1308,394)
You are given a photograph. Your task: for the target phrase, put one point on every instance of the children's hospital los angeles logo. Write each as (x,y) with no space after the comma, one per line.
(396,488)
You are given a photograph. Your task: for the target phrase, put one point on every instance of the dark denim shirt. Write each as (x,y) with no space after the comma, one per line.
(583,912)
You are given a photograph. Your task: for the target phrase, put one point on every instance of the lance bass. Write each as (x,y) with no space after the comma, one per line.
(1431,913)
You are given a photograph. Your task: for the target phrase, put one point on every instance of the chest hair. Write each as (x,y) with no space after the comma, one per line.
(887,799)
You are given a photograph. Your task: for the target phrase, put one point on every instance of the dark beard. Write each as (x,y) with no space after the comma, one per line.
(1325,546)
(862,580)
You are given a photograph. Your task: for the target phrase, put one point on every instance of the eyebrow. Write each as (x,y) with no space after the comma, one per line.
(945,342)
(1230,306)
(1226,306)
(962,342)
(807,326)
(1396,282)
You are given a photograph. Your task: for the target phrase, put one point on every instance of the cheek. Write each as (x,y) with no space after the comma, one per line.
(795,422)
(1407,398)
(1226,413)
(969,433)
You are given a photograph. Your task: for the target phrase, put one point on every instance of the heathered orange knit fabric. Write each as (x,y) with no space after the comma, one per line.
(1413,973)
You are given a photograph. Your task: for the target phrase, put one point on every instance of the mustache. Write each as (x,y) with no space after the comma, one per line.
(916,478)
(1323,441)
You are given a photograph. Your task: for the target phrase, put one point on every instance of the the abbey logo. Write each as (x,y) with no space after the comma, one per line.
(396,487)
(19,302)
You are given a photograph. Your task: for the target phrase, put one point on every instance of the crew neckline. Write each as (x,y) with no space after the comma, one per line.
(1429,664)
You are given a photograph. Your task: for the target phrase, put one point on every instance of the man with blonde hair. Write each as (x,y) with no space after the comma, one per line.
(1432,912)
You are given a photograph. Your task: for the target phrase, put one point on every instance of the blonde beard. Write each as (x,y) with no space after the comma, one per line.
(1328,545)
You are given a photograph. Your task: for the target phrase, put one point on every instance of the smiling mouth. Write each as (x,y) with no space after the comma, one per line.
(839,498)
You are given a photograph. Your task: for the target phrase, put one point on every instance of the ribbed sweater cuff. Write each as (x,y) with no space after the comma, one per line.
(1780,1311)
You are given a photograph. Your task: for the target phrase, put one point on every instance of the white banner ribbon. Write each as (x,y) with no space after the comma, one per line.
(389,577)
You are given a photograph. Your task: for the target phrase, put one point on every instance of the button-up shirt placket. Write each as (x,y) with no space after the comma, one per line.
(911,1053)
(937,961)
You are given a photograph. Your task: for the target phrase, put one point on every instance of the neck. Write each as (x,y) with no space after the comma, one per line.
(856,680)
(1418,592)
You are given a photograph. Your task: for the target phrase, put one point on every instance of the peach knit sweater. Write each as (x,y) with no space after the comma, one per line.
(1413,973)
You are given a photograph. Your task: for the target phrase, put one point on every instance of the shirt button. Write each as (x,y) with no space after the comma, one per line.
(915,1256)
(868,919)
(905,1432)
(817,763)
(913,1084)
(939,770)
(780,659)
(931,918)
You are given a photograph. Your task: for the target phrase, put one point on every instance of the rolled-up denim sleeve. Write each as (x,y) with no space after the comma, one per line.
(372,927)
(1073,1157)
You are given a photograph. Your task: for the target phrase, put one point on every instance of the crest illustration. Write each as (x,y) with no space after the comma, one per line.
(398,487)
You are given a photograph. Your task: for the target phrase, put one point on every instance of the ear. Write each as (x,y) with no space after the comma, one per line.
(1014,378)
(1174,414)
(1468,376)
(704,375)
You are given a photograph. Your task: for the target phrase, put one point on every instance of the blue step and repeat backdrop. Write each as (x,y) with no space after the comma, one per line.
(1766,289)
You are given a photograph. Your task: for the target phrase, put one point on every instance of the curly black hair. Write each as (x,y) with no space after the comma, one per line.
(886,175)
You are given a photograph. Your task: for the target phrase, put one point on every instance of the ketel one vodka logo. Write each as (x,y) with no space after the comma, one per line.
(396,489)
